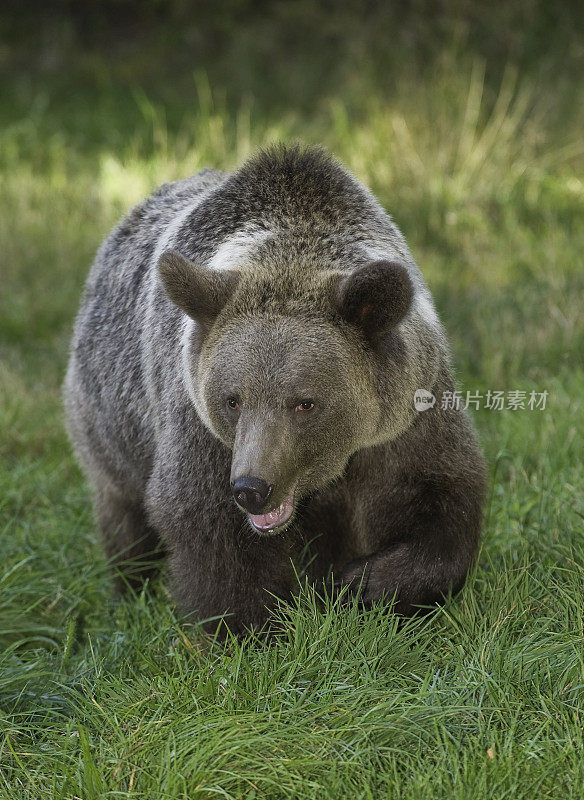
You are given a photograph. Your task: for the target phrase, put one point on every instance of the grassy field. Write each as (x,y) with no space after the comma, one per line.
(478,154)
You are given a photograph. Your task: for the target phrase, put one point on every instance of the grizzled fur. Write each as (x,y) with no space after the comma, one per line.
(281,283)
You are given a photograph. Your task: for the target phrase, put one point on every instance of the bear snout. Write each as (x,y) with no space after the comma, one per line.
(251,493)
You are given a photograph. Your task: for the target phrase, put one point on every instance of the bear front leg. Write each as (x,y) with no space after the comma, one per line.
(222,572)
(432,544)
(234,586)
(132,546)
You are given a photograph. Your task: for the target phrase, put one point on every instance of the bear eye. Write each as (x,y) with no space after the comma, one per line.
(233,403)
(305,405)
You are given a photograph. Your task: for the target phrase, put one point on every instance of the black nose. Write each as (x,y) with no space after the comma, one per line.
(251,493)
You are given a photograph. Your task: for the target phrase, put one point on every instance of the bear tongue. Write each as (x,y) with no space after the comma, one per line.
(275,518)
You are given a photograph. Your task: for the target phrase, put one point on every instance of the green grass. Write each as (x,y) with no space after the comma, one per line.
(482,165)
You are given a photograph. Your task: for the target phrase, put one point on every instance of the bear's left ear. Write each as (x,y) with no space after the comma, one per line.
(375,297)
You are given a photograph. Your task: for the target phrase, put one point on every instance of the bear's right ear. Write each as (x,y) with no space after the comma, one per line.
(199,292)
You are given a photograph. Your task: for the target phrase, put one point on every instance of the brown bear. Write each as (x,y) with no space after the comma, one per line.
(242,381)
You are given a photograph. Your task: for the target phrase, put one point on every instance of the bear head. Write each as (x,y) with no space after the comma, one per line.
(295,370)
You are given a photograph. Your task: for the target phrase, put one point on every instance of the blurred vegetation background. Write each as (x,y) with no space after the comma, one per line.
(466,119)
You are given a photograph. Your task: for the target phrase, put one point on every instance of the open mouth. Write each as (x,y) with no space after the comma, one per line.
(275,518)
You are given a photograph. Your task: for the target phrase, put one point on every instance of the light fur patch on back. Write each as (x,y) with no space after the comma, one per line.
(188,329)
(185,339)
(166,239)
(425,308)
(236,248)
